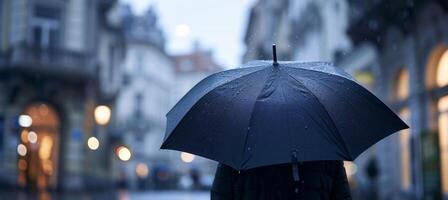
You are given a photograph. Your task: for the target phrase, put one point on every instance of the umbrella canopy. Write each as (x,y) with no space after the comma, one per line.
(265,114)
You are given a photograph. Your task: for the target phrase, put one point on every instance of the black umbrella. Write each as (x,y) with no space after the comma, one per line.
(268,113)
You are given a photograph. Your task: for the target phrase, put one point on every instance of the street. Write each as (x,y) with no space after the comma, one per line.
(168,195)
(119,195)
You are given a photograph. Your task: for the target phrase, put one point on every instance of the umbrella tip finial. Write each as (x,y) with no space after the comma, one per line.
(274,54)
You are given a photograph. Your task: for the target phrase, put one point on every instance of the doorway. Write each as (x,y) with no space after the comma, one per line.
(38,160)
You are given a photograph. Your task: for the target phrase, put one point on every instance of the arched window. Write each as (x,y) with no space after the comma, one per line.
(442,70)
(436,78)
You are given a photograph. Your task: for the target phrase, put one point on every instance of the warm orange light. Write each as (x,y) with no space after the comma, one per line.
(22,165)
(102,114)
(442,70)
(45,148)
(405,138)
(403,85)
(443,140)
(141,170)
(24,136)
(124,153)
(43,110)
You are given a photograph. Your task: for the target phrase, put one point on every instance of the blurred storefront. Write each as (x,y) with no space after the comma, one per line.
(400,53)
(396,49)
(54,72)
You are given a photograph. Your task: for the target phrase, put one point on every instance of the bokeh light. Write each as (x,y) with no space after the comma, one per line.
(93,143)
(24,136)
(123,153)
(32,137)
(141,170)
(21,149)
(182,30)
(187,157)
(25,121)
(102,114)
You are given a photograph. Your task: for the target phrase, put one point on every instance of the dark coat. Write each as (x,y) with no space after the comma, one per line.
(321,180)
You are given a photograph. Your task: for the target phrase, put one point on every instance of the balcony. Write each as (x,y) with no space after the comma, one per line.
(58,62)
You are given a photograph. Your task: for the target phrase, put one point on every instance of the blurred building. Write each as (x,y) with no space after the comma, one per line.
(58,61)
(400,53)
(144,98)
(396,49)
(191,68)
(307,30)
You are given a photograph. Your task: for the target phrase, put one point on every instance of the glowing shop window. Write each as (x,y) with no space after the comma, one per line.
(402,85)
(443,140)
(442,70)
(405,138)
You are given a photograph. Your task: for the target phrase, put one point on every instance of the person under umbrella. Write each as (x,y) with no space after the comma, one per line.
(269,116)
(318,180)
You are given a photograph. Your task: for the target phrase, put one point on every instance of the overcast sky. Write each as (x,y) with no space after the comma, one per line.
(218,25)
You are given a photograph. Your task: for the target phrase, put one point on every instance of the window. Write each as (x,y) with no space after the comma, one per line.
(45,27)
(140,62)
(402,85)
(442,107)
(401,93)
(442,70)
(138,105)
(405,139)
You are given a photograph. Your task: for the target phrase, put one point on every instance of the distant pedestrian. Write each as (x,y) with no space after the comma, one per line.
(321,180)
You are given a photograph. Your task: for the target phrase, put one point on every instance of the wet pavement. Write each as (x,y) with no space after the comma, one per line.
(169,195)
(118,195)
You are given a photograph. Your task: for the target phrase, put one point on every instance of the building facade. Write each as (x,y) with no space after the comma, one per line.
(302,30)
(397,50)
(58,61)
(144,99)
(400,53)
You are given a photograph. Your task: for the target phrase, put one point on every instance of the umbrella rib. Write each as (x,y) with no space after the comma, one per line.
(245,160)
(331,118)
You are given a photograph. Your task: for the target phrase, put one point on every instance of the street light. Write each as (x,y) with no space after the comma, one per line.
(123,153)
(187,157)
(93,143)
(21,149)
(102,114)
(25,121)
(32,137)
